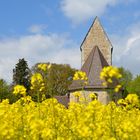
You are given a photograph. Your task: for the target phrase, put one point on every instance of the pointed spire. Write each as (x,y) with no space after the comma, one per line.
(96,36)
(96,20)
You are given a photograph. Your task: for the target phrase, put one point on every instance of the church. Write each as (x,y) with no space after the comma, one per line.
(96,53)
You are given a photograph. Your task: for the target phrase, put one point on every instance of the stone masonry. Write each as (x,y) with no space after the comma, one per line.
(96,36)
(102,96)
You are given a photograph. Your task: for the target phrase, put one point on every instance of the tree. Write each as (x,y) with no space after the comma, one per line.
(125,80)
(58,78)
(134,86)
(21,74)
(126,76)
(5,92)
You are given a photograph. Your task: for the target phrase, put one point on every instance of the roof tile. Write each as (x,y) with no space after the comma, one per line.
(92,66)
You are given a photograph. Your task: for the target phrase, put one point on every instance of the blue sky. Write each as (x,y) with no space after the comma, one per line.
(46,30)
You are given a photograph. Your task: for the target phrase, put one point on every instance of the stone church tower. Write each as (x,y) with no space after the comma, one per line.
(96,53)
(96,36)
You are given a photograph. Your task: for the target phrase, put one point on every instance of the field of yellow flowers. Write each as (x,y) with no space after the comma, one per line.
(49,120)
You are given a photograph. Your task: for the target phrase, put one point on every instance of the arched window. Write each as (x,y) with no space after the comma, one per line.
(94,96)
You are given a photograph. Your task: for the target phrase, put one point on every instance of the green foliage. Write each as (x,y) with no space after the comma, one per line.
(126,76)
(125,80)
(134,86)
(5,92)
(58,78)
(21,74)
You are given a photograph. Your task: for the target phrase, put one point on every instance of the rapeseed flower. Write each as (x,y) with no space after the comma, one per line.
(92,96)
(80,75)
(19,89)
(79,121)
(77,94)
(108,75)
(110,72)
(37,81)
(44,67)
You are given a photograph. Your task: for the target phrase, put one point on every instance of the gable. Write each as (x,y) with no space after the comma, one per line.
(96,36)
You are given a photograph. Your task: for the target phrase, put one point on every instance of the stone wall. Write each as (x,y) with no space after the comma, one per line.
(96,37)
(102,96)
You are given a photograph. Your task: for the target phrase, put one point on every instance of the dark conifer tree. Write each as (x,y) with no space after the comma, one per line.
(21,74)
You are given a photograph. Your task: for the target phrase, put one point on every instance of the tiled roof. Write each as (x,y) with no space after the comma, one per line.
(64,100)
(92,66)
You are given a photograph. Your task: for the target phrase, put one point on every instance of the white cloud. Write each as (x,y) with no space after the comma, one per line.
(37,28)
(127,49)
(81,10)
(37,48)
(131,43)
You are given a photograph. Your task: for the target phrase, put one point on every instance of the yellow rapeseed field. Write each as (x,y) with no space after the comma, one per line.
(49,120)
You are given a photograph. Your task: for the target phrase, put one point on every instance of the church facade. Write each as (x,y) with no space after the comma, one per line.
(96,53)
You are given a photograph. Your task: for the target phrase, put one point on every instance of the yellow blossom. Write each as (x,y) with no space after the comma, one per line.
(92,96)
(77,94)
(37,82)
(49,120)
(117,88)
(132,99)
(44,67)
(19,89)
(36,79)
(109,80)
(109,73)
(104,84)
(79,75)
